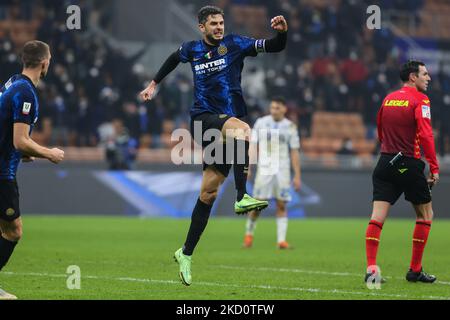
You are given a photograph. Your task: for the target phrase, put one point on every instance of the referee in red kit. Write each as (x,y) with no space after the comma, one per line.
(404,129)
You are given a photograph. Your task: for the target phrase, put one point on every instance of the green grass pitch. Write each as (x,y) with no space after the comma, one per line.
(131,258)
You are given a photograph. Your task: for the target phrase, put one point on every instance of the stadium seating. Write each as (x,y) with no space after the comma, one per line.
(329,130)
(432,21)
(303,90)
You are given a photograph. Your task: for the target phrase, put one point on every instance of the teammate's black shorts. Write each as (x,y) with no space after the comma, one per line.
(405,176)
(211,121)
(9,200)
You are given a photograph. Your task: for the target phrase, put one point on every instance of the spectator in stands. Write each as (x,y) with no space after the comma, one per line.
(92,83)
(347,147)
(354,73)
(121,148)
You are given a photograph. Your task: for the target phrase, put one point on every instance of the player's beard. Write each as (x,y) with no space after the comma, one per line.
(212,40)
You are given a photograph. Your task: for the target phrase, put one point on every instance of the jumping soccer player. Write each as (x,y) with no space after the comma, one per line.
(19,110)
(281,140)
(217,62)
(404,126)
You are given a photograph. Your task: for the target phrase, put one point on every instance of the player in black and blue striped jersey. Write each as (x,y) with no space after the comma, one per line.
(19,111)
(217,62)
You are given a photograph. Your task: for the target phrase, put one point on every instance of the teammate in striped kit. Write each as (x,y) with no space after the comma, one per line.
(19,112)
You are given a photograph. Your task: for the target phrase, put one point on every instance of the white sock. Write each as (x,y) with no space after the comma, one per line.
(282,225)
(250,226)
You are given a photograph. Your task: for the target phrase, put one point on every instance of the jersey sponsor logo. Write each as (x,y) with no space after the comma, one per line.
(26,108)
(215,65)
(396,103)
(222,50)
(426,112)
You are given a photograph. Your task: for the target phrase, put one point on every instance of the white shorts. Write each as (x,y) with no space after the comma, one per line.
(272,187)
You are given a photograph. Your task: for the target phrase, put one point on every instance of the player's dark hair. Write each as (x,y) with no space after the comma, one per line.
(279,100)
(411,66)
(33,53)
(206,11)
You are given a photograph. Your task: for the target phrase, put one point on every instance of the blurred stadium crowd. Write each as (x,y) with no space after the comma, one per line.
(333,66)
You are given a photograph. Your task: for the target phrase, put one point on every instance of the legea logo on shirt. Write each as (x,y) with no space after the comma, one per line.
(26,108)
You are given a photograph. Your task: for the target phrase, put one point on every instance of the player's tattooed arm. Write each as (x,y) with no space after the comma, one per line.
(29,148)
(169,65)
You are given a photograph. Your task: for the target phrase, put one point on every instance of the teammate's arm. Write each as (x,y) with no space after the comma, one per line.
(23,142)
(169,65)
(426,137)
(294,145)
(295,160)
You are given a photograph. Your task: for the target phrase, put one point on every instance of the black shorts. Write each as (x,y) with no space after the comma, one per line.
(405,176)
(211,121)
(9,200)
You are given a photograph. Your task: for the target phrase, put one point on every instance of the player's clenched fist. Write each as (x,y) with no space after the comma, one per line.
(56,155)
(149,92)
(279,24)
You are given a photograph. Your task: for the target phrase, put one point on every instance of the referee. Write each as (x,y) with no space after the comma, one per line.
(404,130)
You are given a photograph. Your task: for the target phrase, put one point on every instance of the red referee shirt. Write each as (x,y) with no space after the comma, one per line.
(404,124)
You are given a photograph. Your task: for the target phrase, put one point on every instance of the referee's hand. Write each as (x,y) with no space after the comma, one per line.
(433,179)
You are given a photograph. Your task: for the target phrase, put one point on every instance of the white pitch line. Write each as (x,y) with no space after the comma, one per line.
(327,273)
(293,270)
(343,274)
(214,284)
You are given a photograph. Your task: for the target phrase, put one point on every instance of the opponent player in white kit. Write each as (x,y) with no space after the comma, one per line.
(274,136)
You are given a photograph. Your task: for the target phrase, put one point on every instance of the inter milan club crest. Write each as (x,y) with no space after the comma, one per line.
(222,50)
(209,55)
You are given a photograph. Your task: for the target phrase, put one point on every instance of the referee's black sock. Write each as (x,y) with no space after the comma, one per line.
(241,163)
(6,250)
(199,220)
